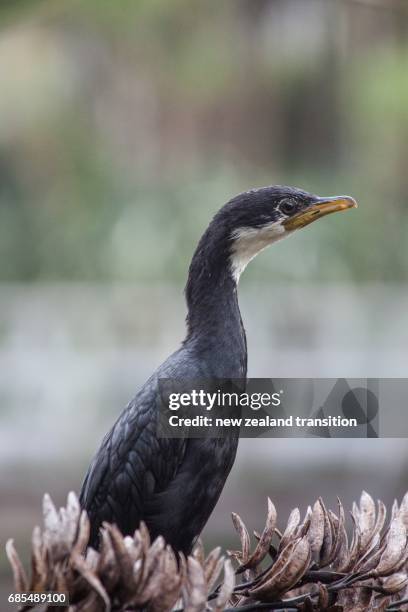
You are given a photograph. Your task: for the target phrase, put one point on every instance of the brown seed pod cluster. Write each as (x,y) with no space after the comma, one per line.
(313,564)
(126,573)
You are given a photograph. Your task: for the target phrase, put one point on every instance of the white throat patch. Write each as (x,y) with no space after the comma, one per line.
(249,241)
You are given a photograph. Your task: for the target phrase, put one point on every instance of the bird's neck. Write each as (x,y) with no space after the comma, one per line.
(214,322)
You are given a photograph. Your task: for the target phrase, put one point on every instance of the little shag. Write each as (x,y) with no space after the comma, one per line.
(174,484)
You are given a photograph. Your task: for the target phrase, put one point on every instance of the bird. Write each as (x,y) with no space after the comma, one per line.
(173,485)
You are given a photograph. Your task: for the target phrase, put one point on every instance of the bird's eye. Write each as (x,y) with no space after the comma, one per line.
(288,207)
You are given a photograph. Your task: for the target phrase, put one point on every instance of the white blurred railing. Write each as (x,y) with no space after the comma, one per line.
(72,355)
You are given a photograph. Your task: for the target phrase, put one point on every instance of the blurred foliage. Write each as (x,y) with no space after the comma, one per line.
(126,125)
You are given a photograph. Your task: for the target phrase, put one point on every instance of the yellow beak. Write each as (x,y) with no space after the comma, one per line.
(320,208)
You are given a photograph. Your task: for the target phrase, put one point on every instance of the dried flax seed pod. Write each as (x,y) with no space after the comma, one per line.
(264,542)
(395,550)
(303,528)
(20,578)
(227,587)
(198,552)
(39,570)
(122,557)
(213,565)
(291,527)
(403,510)
(194,593)
(243,536)
(316,530)
(289,568)
(82,568)
(328,538)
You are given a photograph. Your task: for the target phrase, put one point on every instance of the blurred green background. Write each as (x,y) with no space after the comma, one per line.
(123,127)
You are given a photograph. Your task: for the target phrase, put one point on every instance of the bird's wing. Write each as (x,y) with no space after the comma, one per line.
(131,465)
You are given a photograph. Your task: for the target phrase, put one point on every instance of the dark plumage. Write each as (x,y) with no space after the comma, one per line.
(174,484)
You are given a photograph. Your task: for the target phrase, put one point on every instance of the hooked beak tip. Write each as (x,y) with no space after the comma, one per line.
(318,209)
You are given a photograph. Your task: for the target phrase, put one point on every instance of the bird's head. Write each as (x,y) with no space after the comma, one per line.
(257,218)
(242,228)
